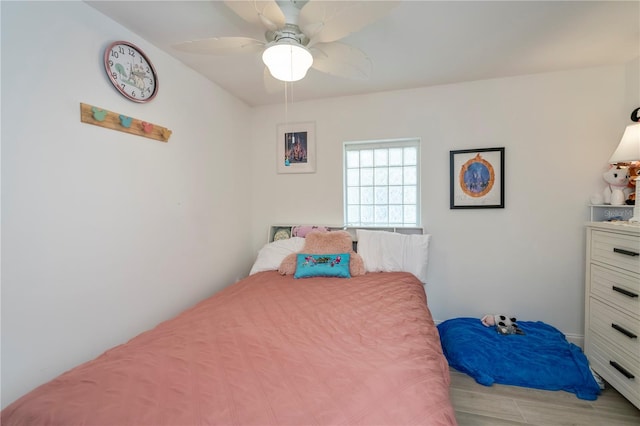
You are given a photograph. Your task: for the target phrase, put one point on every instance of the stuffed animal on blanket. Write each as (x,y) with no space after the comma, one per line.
(502,323)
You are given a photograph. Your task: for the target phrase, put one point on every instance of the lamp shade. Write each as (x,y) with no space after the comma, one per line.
(629,147)
(287,61)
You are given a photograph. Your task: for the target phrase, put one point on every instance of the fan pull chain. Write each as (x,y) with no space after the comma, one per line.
(286,110)
(288,97)
(288,94)
(286,123)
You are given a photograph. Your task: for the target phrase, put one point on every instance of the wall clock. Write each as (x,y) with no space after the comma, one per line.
(130,71)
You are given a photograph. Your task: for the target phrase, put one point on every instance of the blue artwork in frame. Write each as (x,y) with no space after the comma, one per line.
(477,178)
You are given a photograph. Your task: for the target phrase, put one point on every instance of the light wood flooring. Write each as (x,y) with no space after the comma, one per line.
(500,405)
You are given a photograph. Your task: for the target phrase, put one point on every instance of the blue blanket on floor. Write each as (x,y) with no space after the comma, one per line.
(542,358)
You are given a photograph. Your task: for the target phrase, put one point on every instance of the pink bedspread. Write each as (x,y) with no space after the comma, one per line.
(268,350)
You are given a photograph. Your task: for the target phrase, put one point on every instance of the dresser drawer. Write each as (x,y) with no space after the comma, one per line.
(619,370)
(615,326)
(616,288)
(618,250)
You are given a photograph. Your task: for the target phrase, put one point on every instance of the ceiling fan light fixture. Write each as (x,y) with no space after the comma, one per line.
(287,60)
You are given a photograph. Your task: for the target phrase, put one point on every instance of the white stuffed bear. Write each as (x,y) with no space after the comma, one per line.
(617,190)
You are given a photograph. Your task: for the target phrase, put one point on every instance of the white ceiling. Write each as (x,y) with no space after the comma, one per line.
(420,43)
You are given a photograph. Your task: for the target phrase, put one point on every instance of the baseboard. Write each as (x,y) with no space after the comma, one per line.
(576,339)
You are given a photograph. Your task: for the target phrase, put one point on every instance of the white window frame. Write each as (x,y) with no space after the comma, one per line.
(381,144)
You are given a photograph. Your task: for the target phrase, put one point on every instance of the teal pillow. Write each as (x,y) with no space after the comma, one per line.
(322,265)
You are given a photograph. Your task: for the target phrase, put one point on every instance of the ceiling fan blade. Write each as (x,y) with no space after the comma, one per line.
(221,46)
(259,12)
(271,84)
(327,21)
(341,60)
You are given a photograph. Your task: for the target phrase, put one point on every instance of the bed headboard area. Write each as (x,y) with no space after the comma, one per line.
(281,232)
(382,249)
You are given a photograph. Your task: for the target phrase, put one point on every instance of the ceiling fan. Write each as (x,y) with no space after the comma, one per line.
(299,34)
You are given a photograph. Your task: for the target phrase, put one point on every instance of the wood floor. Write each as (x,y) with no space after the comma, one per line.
(499,405)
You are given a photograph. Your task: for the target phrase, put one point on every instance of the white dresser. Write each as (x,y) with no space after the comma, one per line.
(612,305)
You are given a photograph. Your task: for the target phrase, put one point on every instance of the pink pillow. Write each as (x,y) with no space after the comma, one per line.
(318,242)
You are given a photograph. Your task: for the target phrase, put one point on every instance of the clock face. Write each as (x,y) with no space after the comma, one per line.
(130,71)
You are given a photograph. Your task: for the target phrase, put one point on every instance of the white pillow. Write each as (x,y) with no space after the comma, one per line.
(384,251)
(272,254)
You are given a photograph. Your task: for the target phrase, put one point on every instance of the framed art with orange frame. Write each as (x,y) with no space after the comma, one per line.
(477,178)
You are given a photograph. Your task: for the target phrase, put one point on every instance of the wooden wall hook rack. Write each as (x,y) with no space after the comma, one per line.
(112,120)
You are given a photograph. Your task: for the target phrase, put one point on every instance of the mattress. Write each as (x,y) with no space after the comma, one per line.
(267,350)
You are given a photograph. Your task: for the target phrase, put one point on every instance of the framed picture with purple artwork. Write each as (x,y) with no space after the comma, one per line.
(477,178)
(296,148)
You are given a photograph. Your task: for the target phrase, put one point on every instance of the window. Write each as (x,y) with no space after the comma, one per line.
(382,183)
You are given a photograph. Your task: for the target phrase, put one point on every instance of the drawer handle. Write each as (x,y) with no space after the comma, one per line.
(622,370)
(626,252)
(624,331)
(623,291)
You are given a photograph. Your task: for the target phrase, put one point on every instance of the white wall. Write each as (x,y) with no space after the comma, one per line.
(632,100)
(104,234)
(527,259)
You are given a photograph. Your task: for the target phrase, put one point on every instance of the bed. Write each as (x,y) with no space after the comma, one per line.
(268,350)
